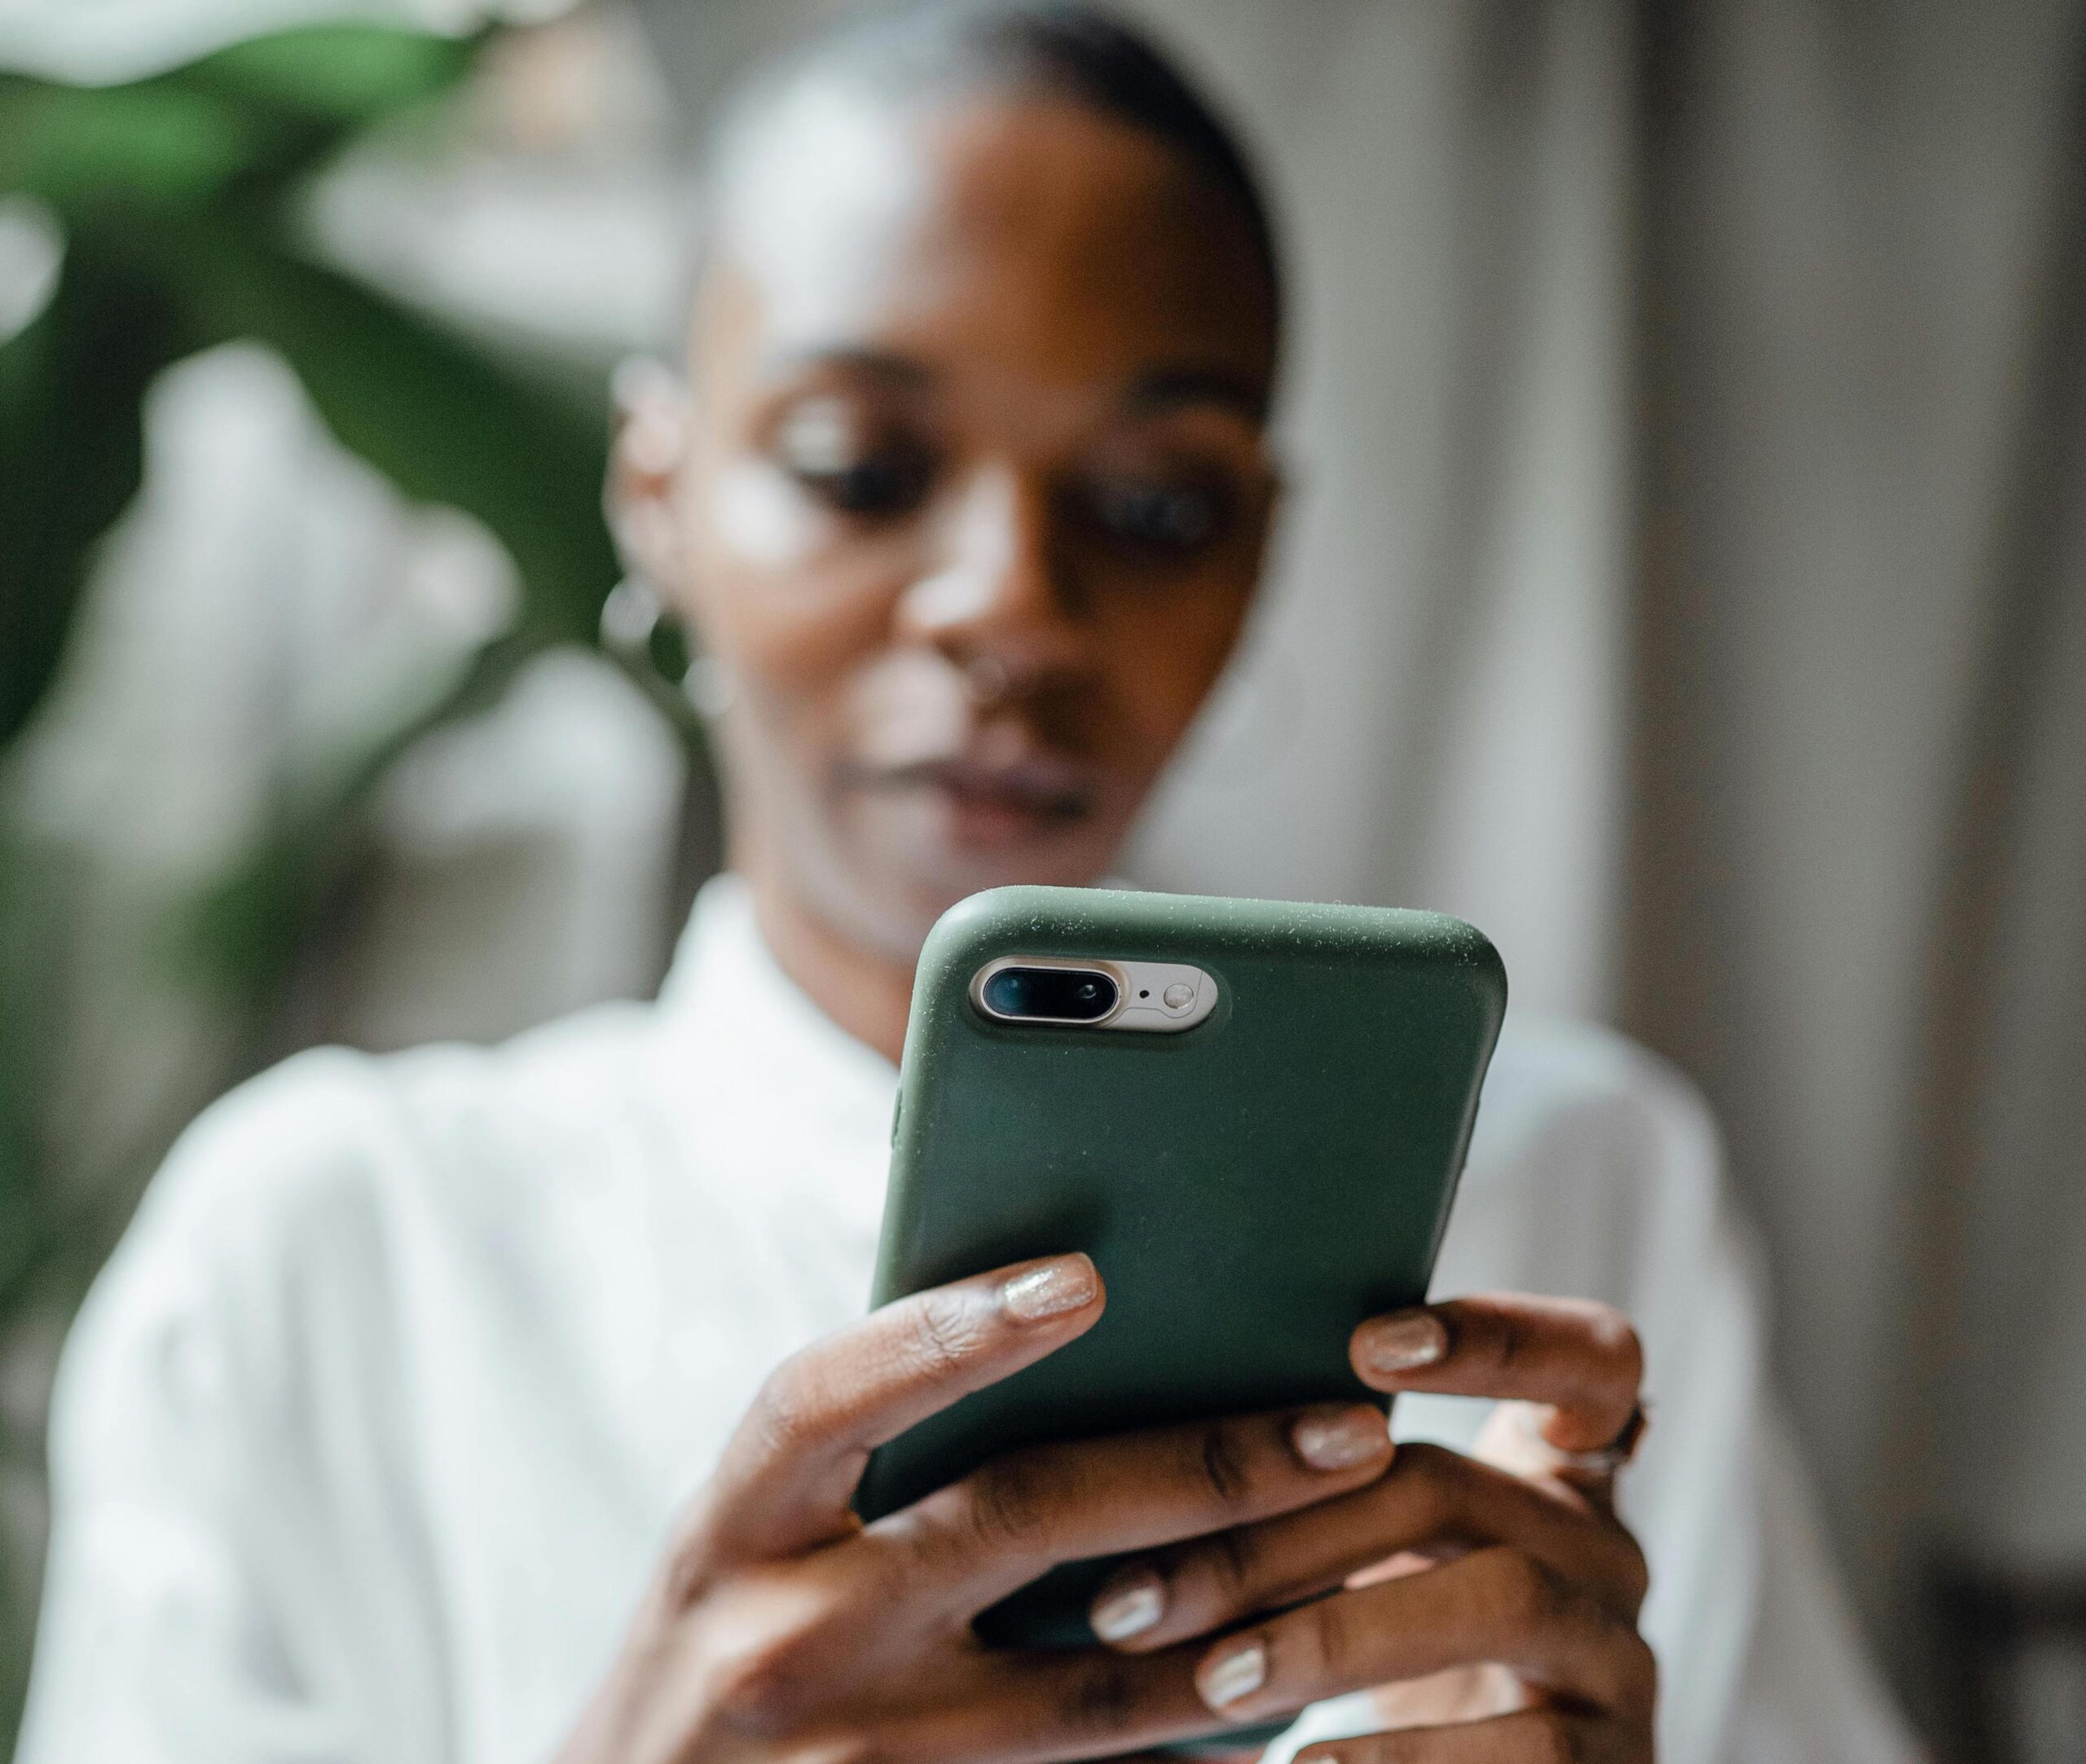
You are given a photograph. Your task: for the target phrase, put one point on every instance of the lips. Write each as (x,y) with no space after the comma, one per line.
(993,803)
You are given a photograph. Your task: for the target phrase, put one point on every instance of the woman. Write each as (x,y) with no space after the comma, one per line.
(374,1435)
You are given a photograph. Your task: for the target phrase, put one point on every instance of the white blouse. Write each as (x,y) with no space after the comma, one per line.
(369,1435)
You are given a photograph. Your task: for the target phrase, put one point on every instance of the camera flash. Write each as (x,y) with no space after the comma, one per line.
(1179,996)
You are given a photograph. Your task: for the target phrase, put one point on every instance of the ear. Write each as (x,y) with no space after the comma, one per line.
(644,466)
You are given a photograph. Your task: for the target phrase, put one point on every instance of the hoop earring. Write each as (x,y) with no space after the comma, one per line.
(633,618)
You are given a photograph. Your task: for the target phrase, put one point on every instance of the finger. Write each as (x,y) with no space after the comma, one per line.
(1516,1439)
(1498,1605)
(1550,1734)
(999,1528)
(1027,1708)
(1430,1499)
(1582,1358)
(791,1469)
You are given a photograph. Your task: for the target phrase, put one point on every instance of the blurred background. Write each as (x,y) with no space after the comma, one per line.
(1685,579)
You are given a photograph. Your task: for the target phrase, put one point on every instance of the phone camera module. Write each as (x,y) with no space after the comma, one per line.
(1006,993)
(1049,995)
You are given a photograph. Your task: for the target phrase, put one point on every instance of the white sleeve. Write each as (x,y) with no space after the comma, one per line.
(195,1595)
(1760,1658)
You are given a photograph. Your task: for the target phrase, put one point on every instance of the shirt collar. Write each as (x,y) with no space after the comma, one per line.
(758,1063)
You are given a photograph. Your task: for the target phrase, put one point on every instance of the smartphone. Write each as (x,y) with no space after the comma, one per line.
(1251,1114)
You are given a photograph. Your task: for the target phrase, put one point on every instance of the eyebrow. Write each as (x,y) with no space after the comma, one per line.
(1162,389)
(1165,388)
(895,370)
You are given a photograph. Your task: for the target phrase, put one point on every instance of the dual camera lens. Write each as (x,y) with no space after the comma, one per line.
(1051,995)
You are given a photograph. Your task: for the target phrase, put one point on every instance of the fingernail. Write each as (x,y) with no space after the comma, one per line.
(1229,1676)
(1128,1605)
(1070,1283)
(1339,1438)
(1388,1345)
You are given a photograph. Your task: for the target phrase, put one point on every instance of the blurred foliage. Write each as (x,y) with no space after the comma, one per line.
(179,198)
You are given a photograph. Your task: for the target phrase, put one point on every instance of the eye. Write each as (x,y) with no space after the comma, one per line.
(829,450)
(886,483)
(1168,515)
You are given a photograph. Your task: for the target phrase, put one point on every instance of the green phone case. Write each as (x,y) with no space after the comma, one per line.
(1250,1189)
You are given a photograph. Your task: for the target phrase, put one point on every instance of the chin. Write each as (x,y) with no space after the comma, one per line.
(922,878)
(881,867)
(942,879)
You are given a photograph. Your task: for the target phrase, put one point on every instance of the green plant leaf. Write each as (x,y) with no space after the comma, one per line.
(172,192)
(266,110)
(340,74)
(95,151)
(133,172)
(244,932)
(70,452)
(447,423)
(432,411)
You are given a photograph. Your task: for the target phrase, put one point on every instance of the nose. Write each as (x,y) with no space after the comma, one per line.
(999,600)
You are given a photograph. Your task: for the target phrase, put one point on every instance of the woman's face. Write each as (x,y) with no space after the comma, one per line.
(968,496)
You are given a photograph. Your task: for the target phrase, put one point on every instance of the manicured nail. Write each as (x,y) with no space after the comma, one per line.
(1229,1676)
(1069,1283)
(1128,1605)
(1389,1345)
(1339,1438)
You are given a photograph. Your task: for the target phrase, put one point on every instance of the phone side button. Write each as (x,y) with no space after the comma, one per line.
(897,1109)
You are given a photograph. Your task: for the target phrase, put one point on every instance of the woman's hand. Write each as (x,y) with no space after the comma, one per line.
(1496,1604)
(779,1627)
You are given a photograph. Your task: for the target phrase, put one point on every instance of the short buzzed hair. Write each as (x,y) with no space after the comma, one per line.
(1062,49)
